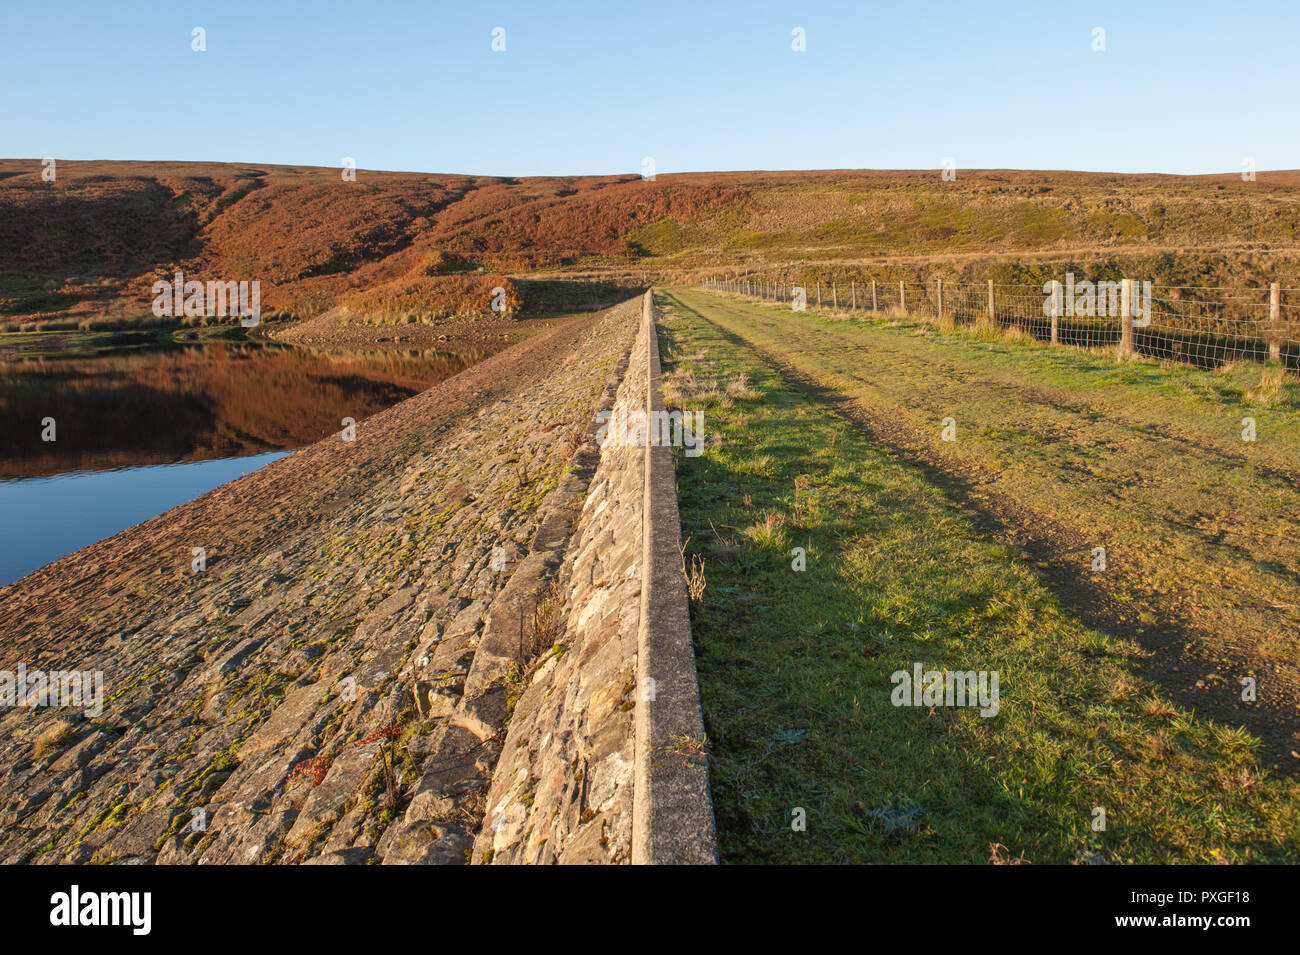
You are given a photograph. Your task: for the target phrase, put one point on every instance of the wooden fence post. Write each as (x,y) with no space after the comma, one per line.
(993,315)
(1275,321)
(819,293)
(1126,317)
(902,294)
(853,294)
(835,297)
(1056,311)
(873,296)
(938,296)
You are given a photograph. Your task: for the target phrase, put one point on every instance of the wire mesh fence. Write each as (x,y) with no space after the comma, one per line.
(1201,325)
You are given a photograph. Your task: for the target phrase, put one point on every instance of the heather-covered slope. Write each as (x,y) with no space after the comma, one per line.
(87,247)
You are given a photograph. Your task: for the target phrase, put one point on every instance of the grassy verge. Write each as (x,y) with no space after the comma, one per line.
(1082,452)
(795,666)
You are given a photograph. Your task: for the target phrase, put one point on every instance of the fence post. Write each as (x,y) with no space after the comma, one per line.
(1275,321)
(902,294)
(853,294)
(819,293)
(938,296)
(1126,317)
(873,296)
(1056,311)
(993,315)
(835,297)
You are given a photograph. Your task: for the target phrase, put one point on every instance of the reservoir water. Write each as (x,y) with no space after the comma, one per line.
(93,444)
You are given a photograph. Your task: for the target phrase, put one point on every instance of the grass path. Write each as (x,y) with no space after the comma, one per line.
(1060,452)
(795,666)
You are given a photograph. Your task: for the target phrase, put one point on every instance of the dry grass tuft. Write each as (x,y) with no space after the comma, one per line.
(53,738)
(769,532)
(1270,391)
(739,387)
(1017,335)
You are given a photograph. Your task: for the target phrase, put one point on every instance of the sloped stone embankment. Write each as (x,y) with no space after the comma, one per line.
(376,621)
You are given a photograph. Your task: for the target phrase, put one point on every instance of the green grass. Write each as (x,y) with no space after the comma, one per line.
(21,296)
(81,343)
(1143,459)
(795,666)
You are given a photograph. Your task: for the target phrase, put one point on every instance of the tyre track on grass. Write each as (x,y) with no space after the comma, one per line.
(1178,660)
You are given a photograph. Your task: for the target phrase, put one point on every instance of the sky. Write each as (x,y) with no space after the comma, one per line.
(595,88)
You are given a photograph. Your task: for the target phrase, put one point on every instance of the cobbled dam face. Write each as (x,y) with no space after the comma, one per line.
(433,643)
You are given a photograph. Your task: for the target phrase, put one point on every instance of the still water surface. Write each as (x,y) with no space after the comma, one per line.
(138,433)
(42,519)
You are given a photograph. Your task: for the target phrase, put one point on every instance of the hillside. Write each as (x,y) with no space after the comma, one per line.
(86,248)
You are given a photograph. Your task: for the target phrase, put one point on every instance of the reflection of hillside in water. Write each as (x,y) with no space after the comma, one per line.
(213,401)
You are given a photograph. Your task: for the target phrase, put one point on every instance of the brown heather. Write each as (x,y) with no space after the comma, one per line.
(89,246)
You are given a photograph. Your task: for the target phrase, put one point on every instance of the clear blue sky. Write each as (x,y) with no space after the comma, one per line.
(582,88)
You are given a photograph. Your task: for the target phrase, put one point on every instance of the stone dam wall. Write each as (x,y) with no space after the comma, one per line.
(603,760)
(461,637)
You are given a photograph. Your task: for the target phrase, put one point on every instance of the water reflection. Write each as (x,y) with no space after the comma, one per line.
(42,519)
(140,432)
(194,404)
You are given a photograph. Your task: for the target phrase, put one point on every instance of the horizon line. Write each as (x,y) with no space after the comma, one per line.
(36,161)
